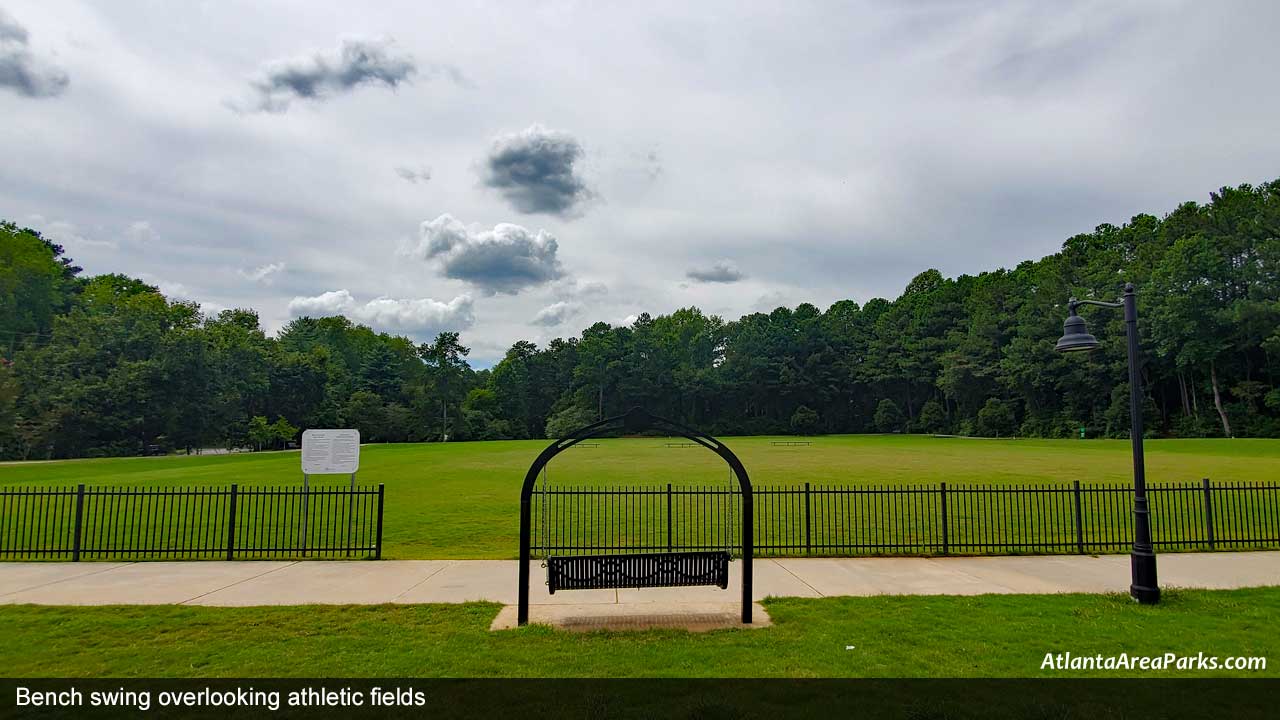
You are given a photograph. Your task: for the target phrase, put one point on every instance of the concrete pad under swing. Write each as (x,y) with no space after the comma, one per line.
(694,617)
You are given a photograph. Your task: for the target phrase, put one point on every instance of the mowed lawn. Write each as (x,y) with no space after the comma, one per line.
(460,500)
(913,636)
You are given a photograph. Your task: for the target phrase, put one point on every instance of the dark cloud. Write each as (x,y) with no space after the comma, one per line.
(535,170)
(409,174)
(355,62)
(506,259)
(720,272)
(11,30)
(21,71)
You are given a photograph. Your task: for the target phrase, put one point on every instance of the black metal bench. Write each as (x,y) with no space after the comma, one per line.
(643,570)
(791,443)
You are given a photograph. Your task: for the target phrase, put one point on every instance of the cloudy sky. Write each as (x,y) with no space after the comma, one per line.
(519,170)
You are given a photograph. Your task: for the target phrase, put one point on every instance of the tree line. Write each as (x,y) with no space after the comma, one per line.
(107,365)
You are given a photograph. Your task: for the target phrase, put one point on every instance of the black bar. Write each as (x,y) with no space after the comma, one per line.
(1208,512)
(377,552)
(231,525)
(79,527)
(1075,485)
(669,521)
(946,538)
(808,541)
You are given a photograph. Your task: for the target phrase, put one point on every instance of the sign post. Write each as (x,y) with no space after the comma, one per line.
(329,452)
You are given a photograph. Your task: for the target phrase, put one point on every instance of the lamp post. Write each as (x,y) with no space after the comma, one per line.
(1076,338)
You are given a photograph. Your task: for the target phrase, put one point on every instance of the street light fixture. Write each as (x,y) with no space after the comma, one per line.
(1076,338)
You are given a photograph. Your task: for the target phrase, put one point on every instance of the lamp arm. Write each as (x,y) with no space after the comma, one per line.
(1077,303)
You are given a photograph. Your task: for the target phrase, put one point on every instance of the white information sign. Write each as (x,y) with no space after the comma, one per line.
(330,452)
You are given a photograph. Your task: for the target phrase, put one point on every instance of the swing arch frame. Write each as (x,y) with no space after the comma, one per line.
(634,421)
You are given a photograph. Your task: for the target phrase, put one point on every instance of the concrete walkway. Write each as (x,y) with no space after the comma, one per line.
(454,581)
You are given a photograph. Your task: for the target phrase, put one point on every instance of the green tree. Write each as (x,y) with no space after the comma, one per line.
(447,374)
(36,285)
(888,417)
(9,444)
(283,433)
(932,417)
(569,419)
(366,412)
(259,432)
(996,419)
(805,421)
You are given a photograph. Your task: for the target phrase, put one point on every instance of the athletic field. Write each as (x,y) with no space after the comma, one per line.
(460,500)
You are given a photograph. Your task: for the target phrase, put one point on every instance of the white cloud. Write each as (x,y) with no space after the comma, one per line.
(69,235)
(556,313)
(570,288)
(422,317)
(211,308)
(263,274)
(334,302)
(171,290)
(140,232)
(175,291)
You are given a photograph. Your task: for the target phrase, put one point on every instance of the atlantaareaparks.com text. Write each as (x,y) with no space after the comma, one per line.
(1167,661)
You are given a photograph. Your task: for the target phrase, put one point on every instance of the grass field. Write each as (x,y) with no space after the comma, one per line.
(460,500)
(914,636)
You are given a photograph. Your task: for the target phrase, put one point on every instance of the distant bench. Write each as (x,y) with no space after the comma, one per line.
(585,444)
(682,444)
(791,443)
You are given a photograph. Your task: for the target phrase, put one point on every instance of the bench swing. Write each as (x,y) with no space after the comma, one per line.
(634,570)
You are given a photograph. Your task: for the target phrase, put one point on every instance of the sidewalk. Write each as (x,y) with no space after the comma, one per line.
(216,583)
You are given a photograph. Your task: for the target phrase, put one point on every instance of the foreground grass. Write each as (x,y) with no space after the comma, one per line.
(460,500)
(914,636)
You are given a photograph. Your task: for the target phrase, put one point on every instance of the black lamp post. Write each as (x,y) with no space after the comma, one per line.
(1076,338)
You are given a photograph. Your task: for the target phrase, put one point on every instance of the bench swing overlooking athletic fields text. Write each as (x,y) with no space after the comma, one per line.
(613,562)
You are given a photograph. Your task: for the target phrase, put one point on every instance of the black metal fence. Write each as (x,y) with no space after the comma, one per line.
(907,520)
(231,523)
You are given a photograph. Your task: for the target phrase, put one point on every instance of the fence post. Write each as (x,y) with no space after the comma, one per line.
(946,539)
(377,551)
(808,538)
(75,538)
(668,517)
(1075,488)
(231,524)
(1208,512)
